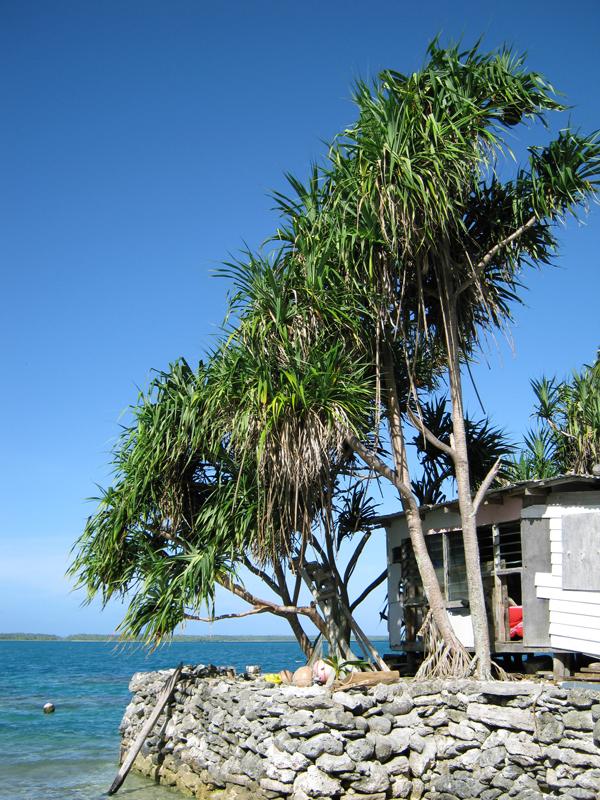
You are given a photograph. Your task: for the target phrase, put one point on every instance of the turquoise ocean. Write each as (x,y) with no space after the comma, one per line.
(73,753)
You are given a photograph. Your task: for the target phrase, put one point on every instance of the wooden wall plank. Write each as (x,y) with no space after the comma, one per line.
(535,544)
(552,593)
(547,580)
(575,632)
(575,645)
(569,607)
(576,620)
(581,543)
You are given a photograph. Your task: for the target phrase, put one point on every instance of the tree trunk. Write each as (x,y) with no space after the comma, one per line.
(431,584)
(329,561)
(290,612)
(303,640)
(465,501)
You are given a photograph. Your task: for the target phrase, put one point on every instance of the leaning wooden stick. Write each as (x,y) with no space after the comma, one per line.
(364,643)
(145,732)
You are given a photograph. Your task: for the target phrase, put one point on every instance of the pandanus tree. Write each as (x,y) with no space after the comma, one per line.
(238,464)
(418,221)
(297,381)
(401,253)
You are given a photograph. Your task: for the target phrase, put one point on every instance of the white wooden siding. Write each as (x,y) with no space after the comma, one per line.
(545,580)
(574,615)
(569,607)
(576,632)
(574,620)
(558,593)
(576,645)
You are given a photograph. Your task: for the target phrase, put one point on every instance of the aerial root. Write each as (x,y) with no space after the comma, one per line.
(441,660)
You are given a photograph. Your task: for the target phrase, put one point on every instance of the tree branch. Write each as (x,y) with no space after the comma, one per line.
(317,546)
(485,485)
(260,610)
(262,575)
(378,465)
(428,435)
(393,412)
(273,608)
(356,556)
(162,534)
(488,257)
(298,583)
(331,562)
(294,622)
(369,589)
(297,586)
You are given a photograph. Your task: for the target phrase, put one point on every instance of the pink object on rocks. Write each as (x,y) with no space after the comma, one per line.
(322,670)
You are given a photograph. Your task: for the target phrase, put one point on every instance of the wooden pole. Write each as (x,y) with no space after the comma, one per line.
(363,641)
(145,732)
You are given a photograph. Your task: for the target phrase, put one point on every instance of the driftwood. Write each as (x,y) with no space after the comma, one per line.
(358,680)
(162,701)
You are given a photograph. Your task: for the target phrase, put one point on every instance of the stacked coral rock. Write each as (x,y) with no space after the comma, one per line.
(436,740)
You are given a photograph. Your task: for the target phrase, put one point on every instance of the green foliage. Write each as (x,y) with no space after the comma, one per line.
(485,444)
(403,242)
(408,201)
(567,438)
(169,527)
(343,668)
(293,381)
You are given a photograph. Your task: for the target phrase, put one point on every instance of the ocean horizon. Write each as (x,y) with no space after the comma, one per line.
(114,637)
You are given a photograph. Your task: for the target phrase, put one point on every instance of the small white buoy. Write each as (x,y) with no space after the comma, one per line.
(49,708)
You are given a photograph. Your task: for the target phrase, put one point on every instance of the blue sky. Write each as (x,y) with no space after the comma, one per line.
(137,144)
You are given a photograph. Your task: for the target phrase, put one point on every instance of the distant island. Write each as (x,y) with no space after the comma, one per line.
(96,637)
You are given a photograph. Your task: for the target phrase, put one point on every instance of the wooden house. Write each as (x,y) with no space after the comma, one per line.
(539,544)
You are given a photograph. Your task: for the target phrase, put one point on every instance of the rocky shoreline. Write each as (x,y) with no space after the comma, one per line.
(225,738)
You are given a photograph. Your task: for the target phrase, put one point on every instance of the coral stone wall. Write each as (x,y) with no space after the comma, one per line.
(437,740)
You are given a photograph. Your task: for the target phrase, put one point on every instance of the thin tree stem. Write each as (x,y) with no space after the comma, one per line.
(494,251)
(431,584)
(461,466)
(428,435)
(356,556)
(307,611)
(377,582)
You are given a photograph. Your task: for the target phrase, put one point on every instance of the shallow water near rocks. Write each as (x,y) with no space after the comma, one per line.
(72,754)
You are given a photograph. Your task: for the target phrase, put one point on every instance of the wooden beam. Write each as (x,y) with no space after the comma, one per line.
(146,730)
